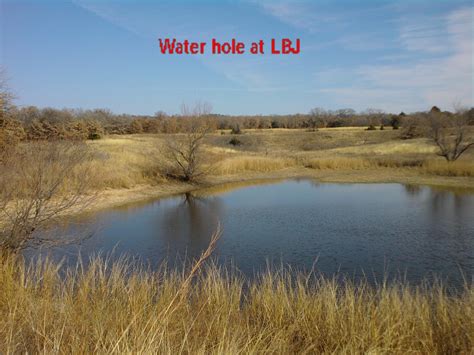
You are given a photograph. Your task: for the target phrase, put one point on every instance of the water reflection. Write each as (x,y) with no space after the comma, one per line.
(355,229)
(413,190)
(192,221)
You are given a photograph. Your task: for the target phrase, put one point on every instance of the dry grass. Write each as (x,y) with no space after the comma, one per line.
(444,168)
(240,164)
(133,161)
(124,162)
(121,308)
(339,163)
(363,163)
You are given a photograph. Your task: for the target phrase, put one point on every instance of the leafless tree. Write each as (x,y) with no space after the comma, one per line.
(38,184)
(449,133)
(11,131)
(318,117)
(373,116)
(184,151)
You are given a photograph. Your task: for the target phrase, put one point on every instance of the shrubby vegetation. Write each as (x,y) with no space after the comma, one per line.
(39,183)
(45,124)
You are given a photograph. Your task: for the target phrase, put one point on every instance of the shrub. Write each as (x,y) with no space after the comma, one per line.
(235,142)
(11,132)
(395,122)
(413,127)
(185,153)
(38,183)
(335,123)
(371,128)
(236,129)
(94,130)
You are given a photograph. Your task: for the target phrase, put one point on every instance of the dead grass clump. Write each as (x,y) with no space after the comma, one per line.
(347,163)
(339,163)
(398,162)
(444,168)
(251,163)
(121,308)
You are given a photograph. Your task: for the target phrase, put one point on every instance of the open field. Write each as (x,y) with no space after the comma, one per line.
(122,308)
(130,168)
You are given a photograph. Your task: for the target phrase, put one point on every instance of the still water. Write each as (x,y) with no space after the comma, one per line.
(345,229)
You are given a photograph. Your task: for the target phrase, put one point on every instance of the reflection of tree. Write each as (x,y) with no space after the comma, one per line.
(456,208)
(314,183)
(192,222)
(413,190)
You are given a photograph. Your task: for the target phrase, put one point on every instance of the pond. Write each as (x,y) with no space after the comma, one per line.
(354,230)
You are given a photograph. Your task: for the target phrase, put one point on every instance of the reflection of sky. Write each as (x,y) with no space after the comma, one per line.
(352,228)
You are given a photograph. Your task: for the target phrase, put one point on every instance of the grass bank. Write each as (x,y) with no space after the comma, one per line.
(121,307)
(130,168)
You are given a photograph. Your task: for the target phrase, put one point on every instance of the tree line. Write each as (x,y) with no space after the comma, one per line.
(32,123)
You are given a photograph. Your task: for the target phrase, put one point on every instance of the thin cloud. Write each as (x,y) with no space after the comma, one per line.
(430,80)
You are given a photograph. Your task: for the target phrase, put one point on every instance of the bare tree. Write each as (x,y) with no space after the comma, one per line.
(449,133)
(39,183)
(373,116)
(11,130)
(318,117)
(184,151)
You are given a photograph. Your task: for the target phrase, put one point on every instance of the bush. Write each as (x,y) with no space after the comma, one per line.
(395,122)
(42,180)
(236,129)
(371,128)
(11,132)
(235,142)
(335,123)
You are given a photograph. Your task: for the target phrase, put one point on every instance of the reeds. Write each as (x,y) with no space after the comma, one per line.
(362,163)
(444,168)
(118,307)
(336,163)
(240,164)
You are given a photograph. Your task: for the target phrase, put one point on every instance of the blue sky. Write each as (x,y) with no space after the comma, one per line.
(392,55)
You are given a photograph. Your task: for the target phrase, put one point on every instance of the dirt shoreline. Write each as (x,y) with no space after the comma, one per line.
(112,198)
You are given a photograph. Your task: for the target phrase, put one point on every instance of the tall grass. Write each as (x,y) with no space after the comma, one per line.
(251,163)
(444,168)
(339,163)
(121,307)
(361,163)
